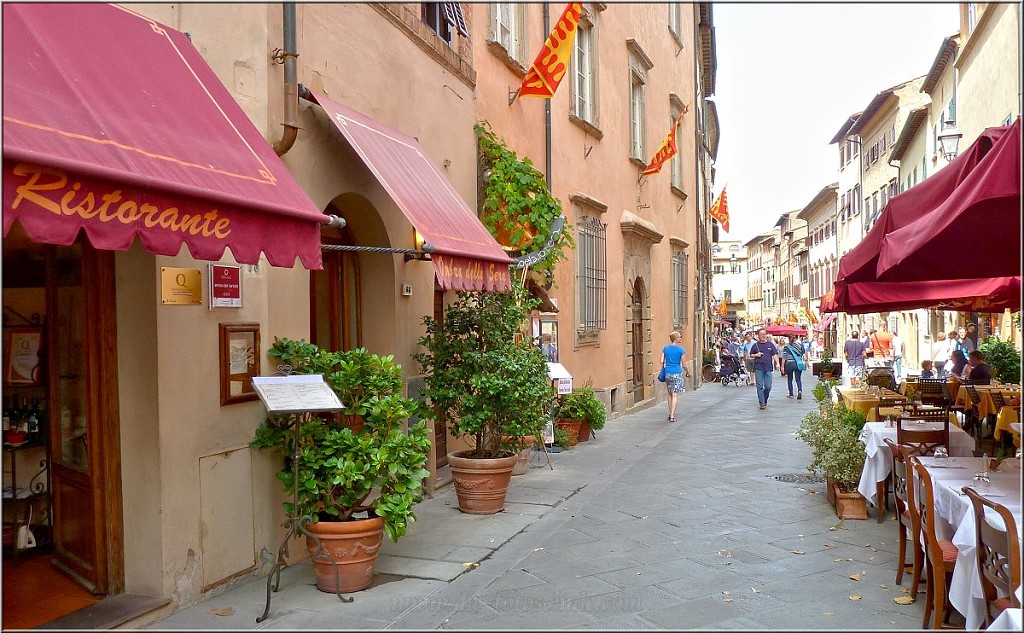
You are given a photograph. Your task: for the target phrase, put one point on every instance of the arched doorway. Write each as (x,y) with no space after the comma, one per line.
(637,341)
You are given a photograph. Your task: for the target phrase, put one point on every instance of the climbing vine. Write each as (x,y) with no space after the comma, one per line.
(518,207)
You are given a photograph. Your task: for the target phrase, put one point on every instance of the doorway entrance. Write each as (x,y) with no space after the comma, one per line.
(637,381)
(62,482)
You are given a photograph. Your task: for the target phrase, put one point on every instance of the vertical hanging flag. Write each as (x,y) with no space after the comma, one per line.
(552,61)
(723,307)
(667,149)
(720,211)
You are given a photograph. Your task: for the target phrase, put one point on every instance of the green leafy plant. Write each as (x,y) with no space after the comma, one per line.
(911,392)
(483,378)
(707,357)
(1003,358)
(581,404)
(562,438)
(517,203)
(837,453)
(340,467)
(821,391)
(828,365)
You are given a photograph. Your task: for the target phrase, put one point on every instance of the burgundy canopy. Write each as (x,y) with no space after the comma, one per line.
(860,264)
(975,232)
(974,295)
(466,255)
(114,124)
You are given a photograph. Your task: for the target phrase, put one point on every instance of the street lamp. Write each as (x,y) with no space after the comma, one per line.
(949,139)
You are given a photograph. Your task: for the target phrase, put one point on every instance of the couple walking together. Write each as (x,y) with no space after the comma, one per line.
(792,361)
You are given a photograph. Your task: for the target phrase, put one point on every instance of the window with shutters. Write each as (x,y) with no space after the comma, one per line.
(584,68)
(680,288)
(508,30)
(675,19)
(677,160)
(433,15)
(639,64)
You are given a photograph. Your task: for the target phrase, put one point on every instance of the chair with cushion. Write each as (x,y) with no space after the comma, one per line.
(906,525)
(940,554)
(998,555)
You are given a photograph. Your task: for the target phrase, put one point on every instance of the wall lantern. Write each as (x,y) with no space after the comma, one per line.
(949,139)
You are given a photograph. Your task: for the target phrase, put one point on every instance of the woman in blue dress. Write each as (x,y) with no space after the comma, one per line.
(672,360)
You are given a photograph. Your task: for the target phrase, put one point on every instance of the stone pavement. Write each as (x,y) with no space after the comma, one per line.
(652,525)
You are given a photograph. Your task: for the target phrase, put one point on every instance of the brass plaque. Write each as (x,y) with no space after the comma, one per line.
(181,286)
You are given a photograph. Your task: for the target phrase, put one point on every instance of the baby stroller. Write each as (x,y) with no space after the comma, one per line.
(732,371)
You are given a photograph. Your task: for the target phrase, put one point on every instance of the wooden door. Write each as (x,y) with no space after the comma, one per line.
(335,309)
(84,427)
(638,341)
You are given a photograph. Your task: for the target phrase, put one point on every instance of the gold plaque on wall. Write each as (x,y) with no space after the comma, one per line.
(181,286)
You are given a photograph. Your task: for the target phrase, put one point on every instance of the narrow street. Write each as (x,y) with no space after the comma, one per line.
(650,525)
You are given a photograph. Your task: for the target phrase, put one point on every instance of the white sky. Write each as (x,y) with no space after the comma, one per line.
(788,77)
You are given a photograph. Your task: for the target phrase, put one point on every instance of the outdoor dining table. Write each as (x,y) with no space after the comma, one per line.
(956,523)
(986,406)
(878,464)
(952,384)
(867,401)
(1009,619)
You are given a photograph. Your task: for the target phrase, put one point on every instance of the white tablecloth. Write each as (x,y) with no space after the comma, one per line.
(878,464)
(954,510)
(1008,620)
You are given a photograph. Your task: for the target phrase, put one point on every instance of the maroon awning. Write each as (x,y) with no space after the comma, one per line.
(466,255)
(113,123)
(975,232)
(973,295)
(861,262)
(824,323)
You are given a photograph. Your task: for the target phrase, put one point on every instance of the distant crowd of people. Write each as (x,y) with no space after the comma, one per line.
(953,354)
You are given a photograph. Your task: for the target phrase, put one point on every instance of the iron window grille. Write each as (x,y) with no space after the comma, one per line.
(592,275)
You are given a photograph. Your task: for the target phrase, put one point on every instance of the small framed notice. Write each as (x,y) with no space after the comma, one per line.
(239,361)
(297,393)
(225,286)
(21,347)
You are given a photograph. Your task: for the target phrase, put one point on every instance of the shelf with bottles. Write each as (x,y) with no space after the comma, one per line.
(24,419)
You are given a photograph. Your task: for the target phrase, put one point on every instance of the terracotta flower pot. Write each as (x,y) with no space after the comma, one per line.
(849,505)
(523,457)
(353,545)
(572,430)
(480,484)
(584,431)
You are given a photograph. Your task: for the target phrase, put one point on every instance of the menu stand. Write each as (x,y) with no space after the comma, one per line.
(299,396)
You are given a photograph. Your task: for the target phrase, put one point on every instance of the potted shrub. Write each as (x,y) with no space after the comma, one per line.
(584,406)
(838,455)
(356,484)
(1003,358)
(488,384)
(827,366)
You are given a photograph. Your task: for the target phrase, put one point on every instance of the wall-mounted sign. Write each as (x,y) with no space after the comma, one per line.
(225,286)
(181,286)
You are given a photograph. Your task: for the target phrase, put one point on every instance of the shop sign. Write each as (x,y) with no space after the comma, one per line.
(181,286)
(225,286)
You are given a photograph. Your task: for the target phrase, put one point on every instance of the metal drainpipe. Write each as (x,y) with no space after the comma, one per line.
(547,110)
(291,83)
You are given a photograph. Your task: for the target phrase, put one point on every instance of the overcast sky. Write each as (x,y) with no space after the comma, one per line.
(789,75)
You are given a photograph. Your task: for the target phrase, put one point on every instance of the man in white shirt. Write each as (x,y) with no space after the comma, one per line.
(940,354)
(896,345)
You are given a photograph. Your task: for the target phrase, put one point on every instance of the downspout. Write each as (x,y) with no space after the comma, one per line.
(291,83)
(547,111)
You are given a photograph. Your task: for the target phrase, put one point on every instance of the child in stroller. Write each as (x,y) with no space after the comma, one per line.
(732,370)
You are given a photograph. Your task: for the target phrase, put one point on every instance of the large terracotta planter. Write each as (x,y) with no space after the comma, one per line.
(584,431)
(523,457)
(572,429)
(353,545)
(849,505)
(480,484)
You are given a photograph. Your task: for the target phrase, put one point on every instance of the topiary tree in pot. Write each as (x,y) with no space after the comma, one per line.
(485,381)
(358,483)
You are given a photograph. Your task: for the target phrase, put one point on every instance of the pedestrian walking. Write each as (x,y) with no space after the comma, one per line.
(940,354)
(672,362)
(854,352)
(763,353)
(748,344)
(794,361)
(896,345)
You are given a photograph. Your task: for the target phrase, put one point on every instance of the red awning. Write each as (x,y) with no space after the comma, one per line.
(860,264)
(466,255)
(824,323)
(975,232)
(785,330)
(114,124)
(973,295)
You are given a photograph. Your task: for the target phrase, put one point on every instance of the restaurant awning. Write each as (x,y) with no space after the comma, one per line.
(972,295)
(824,323)
(860,264)
(980,219)
(114,124)
(466,256)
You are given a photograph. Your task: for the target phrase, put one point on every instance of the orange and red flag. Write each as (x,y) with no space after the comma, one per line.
(552,61)
(720,211)
(667,149)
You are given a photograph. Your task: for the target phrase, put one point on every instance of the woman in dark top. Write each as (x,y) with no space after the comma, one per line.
(959,362)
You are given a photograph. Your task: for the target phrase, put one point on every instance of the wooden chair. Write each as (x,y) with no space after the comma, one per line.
(972,424)
(998,556)
(933,391)
(940,555)
(922,441)
(908,528)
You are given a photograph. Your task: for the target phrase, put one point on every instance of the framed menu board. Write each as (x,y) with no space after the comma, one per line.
(21,355)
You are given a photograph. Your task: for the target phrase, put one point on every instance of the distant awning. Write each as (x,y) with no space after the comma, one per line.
(113,123)
(825,323)
(466,256)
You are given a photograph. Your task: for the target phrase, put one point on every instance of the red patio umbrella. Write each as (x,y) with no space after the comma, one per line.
(785,330)
(861,262)
(974,295)
(979,222)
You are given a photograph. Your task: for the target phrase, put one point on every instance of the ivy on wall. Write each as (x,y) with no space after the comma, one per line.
(518,208)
